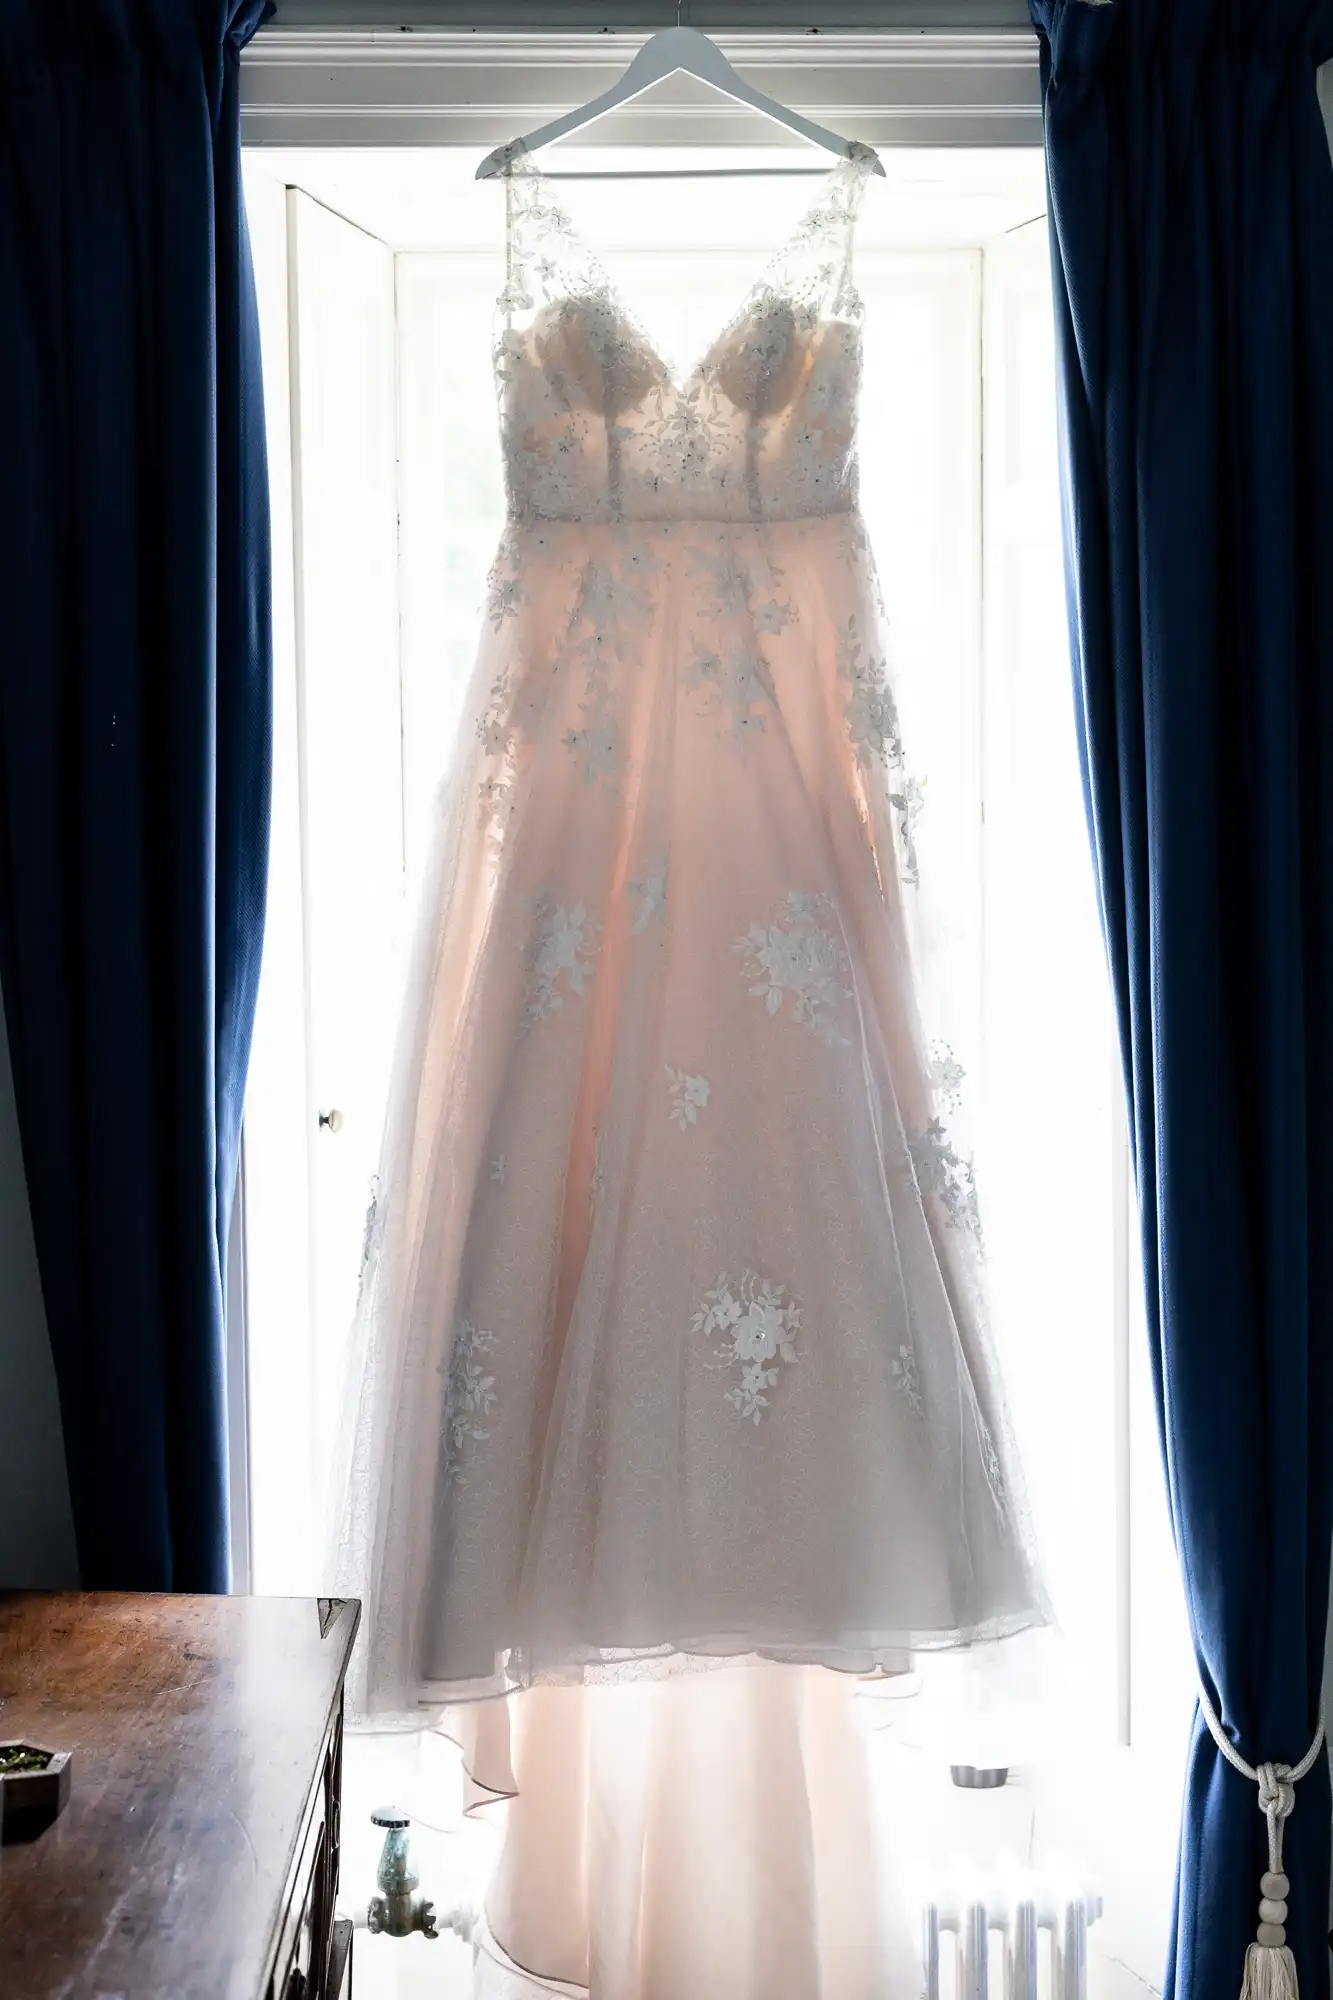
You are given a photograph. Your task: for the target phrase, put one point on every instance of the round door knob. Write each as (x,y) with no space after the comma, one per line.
(331,1121)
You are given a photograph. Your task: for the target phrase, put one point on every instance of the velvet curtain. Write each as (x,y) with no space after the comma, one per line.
(1191,220)
(134,735)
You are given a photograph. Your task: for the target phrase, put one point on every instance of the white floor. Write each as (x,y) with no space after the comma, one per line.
(412,1969)
(1107,1980)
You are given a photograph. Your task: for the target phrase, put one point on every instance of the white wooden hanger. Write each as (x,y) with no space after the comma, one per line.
(673,49)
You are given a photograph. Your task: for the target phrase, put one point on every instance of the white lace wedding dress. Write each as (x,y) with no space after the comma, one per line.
(670,1345)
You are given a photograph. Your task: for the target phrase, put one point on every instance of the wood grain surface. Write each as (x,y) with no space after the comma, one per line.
(197,1726)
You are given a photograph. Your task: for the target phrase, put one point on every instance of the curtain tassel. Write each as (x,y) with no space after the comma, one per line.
(1270,1973)
(1270,1966)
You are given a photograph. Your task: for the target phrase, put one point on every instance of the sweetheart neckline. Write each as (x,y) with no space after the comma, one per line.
(683,382)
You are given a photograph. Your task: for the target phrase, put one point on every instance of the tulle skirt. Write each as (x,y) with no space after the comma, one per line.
(670,1382)
(671,1337)
(703,1834)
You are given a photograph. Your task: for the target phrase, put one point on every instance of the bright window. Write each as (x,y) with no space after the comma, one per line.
(377,272)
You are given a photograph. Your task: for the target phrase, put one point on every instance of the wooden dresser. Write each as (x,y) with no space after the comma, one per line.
(197,1858)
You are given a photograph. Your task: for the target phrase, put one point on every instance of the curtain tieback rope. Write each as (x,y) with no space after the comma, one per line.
(1270,1968)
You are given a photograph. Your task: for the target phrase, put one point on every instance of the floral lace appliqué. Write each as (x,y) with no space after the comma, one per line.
(649,892)
(757,1323)
(940,1170)
(735,683)
(947,1074)
(504,596)
(800,959)
(564,950)
(907,1378)
(689,1096)
(875,734)
(499,805)
(737,601)
(746,588)
(493,729)
(726,577)
(685,430)
(469,1393)
(611,609)
(907,803)
(499,740)
(597,746)
(871,711)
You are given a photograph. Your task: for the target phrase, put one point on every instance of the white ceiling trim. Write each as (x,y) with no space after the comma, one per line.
(460,48)
(448,87)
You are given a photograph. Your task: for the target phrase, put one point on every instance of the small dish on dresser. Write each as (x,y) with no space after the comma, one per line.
(34,1789)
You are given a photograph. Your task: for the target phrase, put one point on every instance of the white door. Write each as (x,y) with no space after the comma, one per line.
(343,346)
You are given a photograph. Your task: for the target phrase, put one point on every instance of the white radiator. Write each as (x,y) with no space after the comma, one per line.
(1040,1952)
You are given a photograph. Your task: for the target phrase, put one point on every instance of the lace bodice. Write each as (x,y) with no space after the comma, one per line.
(597,427)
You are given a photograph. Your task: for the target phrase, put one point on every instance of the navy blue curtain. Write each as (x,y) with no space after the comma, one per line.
(134,735)
(1191,217)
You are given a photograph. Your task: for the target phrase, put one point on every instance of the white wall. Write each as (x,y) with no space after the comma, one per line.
(36,1530)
